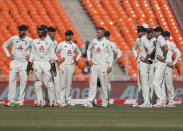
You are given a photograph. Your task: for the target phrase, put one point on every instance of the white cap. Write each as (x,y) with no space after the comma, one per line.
(145,25)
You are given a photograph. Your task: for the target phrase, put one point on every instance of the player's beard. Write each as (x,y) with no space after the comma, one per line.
(22,35)
(42,34)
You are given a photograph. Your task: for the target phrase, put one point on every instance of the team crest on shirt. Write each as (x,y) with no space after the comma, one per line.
(38,42)
(17,41)
(95,43)
(65,46)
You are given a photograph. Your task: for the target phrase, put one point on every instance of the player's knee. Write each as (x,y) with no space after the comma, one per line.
(38,84)
(50,85)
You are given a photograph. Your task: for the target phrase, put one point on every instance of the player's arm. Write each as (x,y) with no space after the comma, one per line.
(31,58)
(178,54)
(117,51)
(110,52)
(54,58)
(135,46)
(58,50)
(78,51)
(146,45)
(90,47)
(164,47)
(5,47)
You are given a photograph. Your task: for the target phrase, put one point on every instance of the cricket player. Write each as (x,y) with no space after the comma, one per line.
(67,50)
(56,79)
(116,50)
(160,66)
(169,68)
(41,55)
(21,45)
(144,62)
(101,65)
(151,66)
(140,33)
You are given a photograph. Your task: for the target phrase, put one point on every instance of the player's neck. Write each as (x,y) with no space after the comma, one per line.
(68,41)
(42,38)
(22,37)
(99,39)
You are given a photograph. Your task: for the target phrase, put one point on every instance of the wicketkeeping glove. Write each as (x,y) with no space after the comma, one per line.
(53,69)
(29,68)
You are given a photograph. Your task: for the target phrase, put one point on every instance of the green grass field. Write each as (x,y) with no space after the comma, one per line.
(114,118)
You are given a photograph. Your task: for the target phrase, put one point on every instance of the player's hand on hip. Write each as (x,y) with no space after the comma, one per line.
(109,69)
(11,57)
(75,60)
(169,64)
(160,58)
(61,60)
(115,61)
(142,59)
(90,63)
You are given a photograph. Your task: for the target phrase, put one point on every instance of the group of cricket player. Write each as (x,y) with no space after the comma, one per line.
(155,64)
(56,73)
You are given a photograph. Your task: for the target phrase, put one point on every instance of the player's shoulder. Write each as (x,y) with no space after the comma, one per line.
(61,43)
(74,44)
(15,37)
(28,38)
(161,38)
(94,40)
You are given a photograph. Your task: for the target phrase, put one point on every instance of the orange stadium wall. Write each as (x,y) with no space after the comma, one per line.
(122,92)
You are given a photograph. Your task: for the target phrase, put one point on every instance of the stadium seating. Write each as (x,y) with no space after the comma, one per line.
(122,17)
(33,13)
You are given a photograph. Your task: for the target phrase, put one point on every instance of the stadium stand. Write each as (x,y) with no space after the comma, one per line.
(115,14)
(33,13)
(120,17)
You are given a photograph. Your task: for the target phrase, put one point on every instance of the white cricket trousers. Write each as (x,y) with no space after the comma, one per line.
(151,74)
(169,84)
(99,70)
(140,97)
(158,82)
(144,81)
(66,73)
(42,69)
(15,68)
(56,82)
(109,83)
(109,89)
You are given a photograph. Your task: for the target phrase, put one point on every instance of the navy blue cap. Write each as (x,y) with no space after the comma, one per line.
(166,33)
(52,29)
(42,28)
(23,27)
(69,33)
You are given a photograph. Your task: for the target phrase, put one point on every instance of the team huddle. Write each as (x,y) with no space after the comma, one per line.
(155,67)
(40,57)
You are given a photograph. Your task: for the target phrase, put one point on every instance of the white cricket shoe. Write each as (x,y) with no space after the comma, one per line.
(170,105)
(21,105)
(157,105)
(10,104)
(71,104)
(89,104)
(135,105)
(145,106)
(105,105)
(63,105)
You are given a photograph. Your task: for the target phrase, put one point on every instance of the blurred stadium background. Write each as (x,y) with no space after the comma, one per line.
(120,17)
